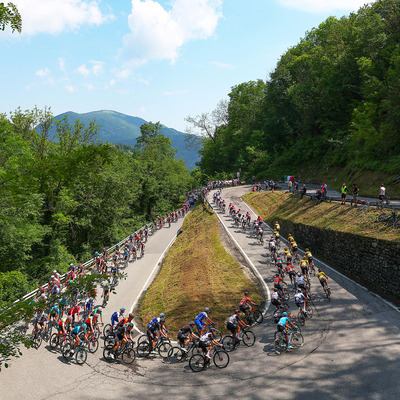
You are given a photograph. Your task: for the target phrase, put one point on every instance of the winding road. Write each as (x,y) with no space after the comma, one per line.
(351,350)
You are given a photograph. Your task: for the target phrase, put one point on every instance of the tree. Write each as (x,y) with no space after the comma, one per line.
(9,15)
(207,124)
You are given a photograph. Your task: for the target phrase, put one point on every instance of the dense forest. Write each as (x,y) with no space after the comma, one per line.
(333,101)
(64,197)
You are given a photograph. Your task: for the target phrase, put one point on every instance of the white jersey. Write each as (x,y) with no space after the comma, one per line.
(299,297)
(275,296)
(233,319)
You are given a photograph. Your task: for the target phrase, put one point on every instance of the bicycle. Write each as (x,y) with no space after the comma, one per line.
(245,336)
(177,354)
(217,332)
(254,315)
(163,345)
(302,316)
(56,341)
(127,354)
(69,351)
(296,340)
(383,203)
(199,362)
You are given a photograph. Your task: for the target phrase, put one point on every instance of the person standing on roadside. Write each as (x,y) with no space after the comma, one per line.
(382,192)
(290,186)
(344,193)
(303,191)
(355,193)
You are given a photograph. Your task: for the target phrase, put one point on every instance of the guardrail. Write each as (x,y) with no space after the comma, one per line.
(86,264)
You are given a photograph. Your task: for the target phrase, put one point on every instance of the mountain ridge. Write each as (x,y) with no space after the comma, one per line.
(119,128)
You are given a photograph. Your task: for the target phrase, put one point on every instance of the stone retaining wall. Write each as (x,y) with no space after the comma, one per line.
(372,262)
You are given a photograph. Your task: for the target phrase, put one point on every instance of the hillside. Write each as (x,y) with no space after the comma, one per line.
(124,129)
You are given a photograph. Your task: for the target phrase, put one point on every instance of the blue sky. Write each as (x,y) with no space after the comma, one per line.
(158,60)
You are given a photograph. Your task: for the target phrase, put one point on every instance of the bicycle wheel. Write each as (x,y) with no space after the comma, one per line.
(309,311)
(143,349)
(67,350)
(301,318)
(258,317)
(229,343)
(175,355)
(142,338)
(107,330)
(46,335)
(164,347)
(128,356)
(280,344)
(81,356)
(93,344)
(328,293)
(249,338)
(218,335)
(197,362)
(221,359)
(109,340)
(37,340)
(296,339)
(382,217)
(108,353)
(54,341)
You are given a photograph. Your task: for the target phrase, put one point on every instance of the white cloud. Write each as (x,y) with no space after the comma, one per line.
(42,73)
(222,65)
(97,68)
(89,87)
(70,88)
(55,16)
(61,64)
(83,70)
(175,93)
(320,6)
(157,33)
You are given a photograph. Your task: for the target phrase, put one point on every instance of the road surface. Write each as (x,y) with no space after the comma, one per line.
(351,350)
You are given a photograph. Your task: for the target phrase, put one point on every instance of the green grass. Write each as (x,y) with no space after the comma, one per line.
(280,205)
(197,273)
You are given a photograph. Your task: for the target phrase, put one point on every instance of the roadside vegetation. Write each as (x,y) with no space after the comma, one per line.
(198,272)
(280,205)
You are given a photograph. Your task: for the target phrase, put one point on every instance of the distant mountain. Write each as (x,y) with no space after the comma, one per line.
(120,128)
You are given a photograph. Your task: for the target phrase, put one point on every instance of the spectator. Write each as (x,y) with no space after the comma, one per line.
(324,191)
(344,193)
(318,196)
(303,191)
(355,193)
(382,192)
(290,186)
(296,186)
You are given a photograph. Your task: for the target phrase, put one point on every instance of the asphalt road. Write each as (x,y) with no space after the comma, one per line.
(351,350)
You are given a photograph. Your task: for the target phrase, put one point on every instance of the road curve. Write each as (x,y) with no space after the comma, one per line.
(351,350)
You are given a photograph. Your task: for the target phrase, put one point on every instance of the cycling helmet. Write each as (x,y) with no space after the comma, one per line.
(84,326)
(298,290)
(191,323)
(237,312)
(91,300)
(162,315)
(129,325)
(246,292)
(122,309)
(307,250)
(55,271)
(299,274)
(41,289)
(319,270)
(131,315)
(275,289)
(207,309)
(100,309)
(284,314)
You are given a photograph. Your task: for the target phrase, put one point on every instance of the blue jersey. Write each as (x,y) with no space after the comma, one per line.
(283,321)
(154,324)
(78,329)
(201,316)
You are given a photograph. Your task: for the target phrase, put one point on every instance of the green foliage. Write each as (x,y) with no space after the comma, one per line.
(333,97)
(9,15)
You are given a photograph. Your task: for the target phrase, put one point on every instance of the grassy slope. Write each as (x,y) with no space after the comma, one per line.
(197,273)
(325,215)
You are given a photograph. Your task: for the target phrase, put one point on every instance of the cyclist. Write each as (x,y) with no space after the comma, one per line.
(54,313)
(323,279)
(75,335)
(287,256)
(277,227)
(278,282)
(72,312)
(202,319)
(275,298)
(106,294)
(300,301)
(206,343)
(61,328)
(156,325)
(185,334)
(89,306)
(99,311)
(234,323)
(122,334)
(291,272)
(309,257)
(279,265)
(246,303)
(300,282)
(116,316)
(283,325)
(272,245)
(40,324)
(304,266)
(294,248)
